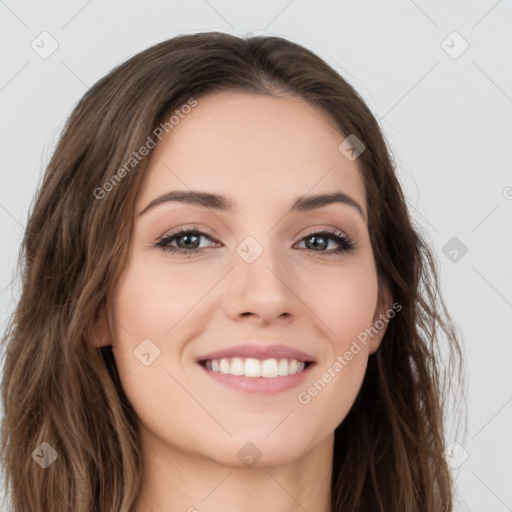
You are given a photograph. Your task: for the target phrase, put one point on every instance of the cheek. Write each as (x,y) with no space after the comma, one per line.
(344,300)
(151,299)
(148,301)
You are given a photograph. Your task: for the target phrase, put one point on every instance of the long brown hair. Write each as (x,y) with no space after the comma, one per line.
(59,389)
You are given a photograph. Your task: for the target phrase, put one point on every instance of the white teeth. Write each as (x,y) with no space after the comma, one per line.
(237,366)
(269,368)
(224,366)
(283,367)
(251,367)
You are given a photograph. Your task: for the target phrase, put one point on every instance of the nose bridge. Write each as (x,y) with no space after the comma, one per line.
(259,260)
(258,281)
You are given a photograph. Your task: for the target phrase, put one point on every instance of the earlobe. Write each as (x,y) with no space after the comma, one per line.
(381,318)
(100,333)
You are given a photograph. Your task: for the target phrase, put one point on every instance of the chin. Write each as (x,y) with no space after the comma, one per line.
(256,450)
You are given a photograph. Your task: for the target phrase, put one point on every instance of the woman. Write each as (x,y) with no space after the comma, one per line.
(225,304)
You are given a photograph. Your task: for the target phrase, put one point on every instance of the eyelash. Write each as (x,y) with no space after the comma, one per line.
(346,244)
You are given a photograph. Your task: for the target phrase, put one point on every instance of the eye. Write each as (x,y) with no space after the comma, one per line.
(319,240)
(188,242)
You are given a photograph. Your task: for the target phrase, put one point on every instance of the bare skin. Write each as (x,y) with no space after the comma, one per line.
(262,153)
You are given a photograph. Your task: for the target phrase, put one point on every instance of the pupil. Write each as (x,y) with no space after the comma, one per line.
(323,245)
(188,237)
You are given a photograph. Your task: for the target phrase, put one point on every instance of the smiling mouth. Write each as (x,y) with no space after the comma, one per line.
(252,367)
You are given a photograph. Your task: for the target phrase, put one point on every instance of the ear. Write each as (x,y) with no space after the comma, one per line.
(383,313)
(101,335)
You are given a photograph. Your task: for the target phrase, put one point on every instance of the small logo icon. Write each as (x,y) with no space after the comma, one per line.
(249,455)
(249,249)
(454,249)
(455,455)
(351,147)
(454,45)
(146,352)
(44,45)
(44,455)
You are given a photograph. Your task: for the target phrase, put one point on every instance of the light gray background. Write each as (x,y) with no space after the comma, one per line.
(447,118)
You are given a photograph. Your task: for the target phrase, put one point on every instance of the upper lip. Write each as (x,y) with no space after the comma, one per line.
(259,352)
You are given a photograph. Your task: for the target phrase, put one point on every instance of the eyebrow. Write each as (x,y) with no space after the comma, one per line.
(224,204)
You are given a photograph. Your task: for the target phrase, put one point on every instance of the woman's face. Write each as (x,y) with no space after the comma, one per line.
(265,285)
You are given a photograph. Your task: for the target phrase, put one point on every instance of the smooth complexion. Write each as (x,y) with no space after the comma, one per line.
(262,153)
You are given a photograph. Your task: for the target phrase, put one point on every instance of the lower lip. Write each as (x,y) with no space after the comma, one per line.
(261,385)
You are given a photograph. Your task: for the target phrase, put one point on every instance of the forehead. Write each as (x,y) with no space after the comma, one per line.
(255,148)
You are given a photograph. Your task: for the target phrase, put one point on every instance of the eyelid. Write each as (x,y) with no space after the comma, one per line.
(189,227)
(304,232)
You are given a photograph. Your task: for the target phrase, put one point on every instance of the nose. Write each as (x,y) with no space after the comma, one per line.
(261,292)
